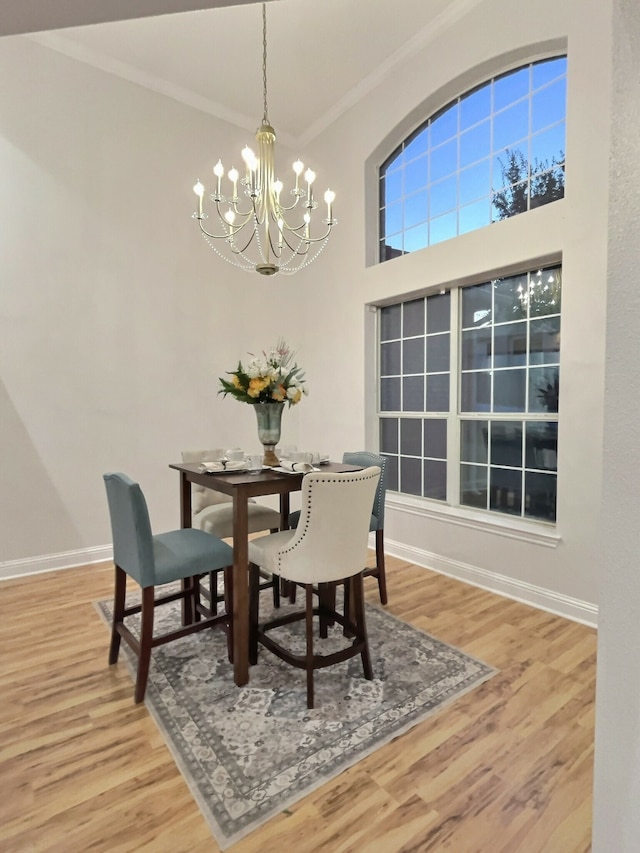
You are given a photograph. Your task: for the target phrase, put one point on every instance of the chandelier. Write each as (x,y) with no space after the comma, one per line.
(265,231)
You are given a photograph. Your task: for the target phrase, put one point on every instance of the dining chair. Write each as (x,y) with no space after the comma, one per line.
(366,458)
(213,512)
(328,546)
(154,561)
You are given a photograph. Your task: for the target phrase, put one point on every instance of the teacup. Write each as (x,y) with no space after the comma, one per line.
(235,454)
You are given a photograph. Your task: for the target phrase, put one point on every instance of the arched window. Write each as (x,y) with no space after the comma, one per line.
(494,152)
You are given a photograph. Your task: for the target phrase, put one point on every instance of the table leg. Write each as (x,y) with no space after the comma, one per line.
(240,589)
(188,616)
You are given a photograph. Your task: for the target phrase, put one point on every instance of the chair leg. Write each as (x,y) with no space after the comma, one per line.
(357,590)
(118,613)
(146,636)
(309,626)
(254,612)
(228,605)
(382,577)
(276,590)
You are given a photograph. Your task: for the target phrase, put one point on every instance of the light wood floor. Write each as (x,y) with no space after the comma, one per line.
(506,769)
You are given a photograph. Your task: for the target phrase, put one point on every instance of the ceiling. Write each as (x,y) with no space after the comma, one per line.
(322,56)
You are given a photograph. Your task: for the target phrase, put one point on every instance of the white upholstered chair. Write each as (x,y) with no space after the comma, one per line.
(329,545)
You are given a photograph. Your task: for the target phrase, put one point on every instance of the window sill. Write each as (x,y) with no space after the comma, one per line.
(537,533)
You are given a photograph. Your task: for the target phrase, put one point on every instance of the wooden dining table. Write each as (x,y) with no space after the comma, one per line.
(240,486)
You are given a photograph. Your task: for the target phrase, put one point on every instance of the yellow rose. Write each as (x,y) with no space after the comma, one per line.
(256,386)
(235,381)
(279,393)
(296,397)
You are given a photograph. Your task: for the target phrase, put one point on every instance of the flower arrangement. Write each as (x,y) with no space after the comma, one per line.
(272,377)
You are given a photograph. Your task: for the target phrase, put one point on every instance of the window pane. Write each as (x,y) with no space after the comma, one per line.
(392,187)
(443,197)
(540,495)
(476,306)
(390,359)
(390,395)
(413,394)
(391,473)
(546,301)
(444,126)
(510,345)
(511,125)
(475,144)
(509,388)
(438,393)
(510,87)
(413,318)
(416,209)
(474,441)
(442,228)
(475,392)
(435,437)
(438,347)
(393,218)
(506,443)
(418,145)
(411,476)
(389,435)
(542,445)
(435,480)
(416,238)
(413,356)
(475,106)
(474,216)
(476,349)
(548,106)
(444,160)
(543,389)
(473,486)
(390,322)
(475,181)
(548,69)
(411,437)
(506,491)
(548,147)
(438,312)
(416,174)
(508,302)
(544,341)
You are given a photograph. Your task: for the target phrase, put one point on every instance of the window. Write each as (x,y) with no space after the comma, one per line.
(468,381)
(494,152)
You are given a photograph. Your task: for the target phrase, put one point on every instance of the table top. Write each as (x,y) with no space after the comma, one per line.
(267,482)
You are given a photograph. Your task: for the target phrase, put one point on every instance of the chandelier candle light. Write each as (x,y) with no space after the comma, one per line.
(265,233)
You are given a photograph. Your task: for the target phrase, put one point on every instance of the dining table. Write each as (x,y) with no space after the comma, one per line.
(241,486)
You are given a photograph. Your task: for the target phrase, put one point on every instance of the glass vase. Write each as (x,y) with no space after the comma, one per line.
(269,417)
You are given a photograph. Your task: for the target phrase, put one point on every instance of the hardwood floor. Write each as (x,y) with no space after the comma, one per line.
(507,768)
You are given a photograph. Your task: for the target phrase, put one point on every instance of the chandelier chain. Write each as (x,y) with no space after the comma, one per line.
(265,119)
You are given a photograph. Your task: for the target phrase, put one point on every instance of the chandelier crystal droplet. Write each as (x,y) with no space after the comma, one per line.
(264,231)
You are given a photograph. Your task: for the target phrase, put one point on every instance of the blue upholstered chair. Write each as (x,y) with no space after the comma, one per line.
(328,547)
(153,561)
(365,459)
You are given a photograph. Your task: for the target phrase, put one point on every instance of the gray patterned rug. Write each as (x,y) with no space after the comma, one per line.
(248,753)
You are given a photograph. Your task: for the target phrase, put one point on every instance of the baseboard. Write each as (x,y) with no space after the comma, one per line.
(55,562)
(527,593)
(537,596)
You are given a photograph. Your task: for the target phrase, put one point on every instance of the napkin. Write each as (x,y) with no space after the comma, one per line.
(223,465)
(296,467)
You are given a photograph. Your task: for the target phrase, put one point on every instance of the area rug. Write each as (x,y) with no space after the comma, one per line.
(248,753)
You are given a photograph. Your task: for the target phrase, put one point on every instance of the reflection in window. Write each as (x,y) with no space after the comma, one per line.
(493,153)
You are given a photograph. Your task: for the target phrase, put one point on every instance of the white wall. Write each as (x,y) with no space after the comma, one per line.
(576,227)
(617,756)
(115,318)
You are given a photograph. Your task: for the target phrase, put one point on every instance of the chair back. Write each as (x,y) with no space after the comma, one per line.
(332,536)
(365,458)
(130,528)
